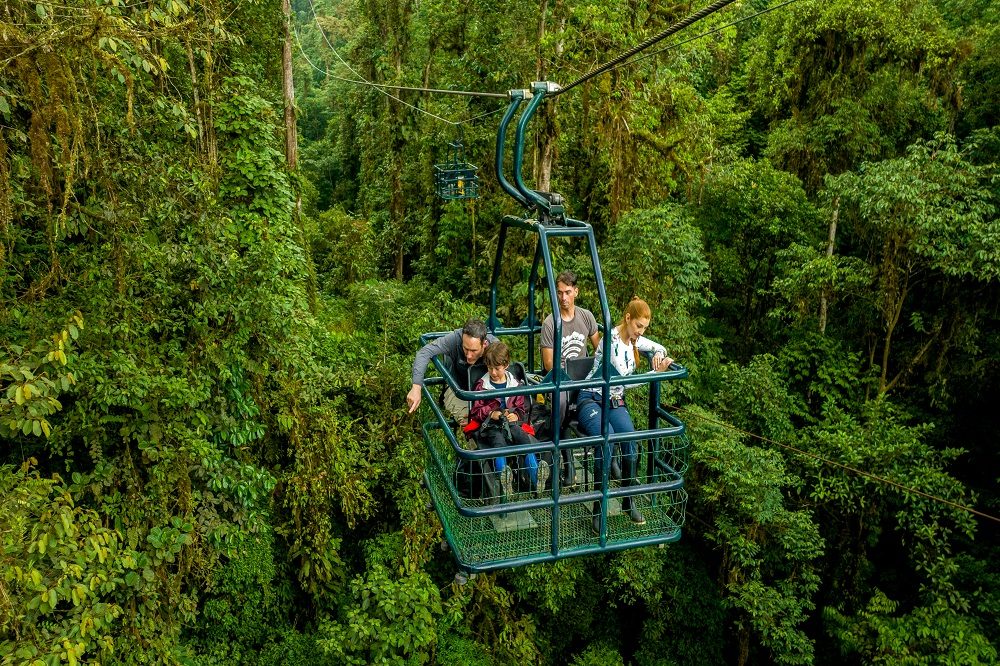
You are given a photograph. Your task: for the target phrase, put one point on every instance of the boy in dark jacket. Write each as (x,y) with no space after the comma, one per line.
(504,420)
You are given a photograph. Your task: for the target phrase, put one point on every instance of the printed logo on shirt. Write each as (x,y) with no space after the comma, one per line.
(574,345)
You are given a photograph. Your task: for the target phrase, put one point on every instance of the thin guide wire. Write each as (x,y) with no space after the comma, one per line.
(361,80)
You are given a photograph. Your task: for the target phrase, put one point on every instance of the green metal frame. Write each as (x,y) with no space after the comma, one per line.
(558,525)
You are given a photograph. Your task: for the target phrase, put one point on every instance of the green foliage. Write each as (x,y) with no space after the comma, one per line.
(164,215)
(822,374)
(346,250)
(489,614)
(389,622)
(843,82)
(980,78)
(600,654)
(925,225)
(553,586)
(63,573)
(925,635)
(241,609)
(451,246)
(398,314)
(675,274)
(242,481)
(755,398)
(805,275)
(934,205)
(570,602)
(459,651)
(293,648)
(330,472)
(686,617)
(658,256)
(34,381)
(881,442)
(747,213)
(768,567)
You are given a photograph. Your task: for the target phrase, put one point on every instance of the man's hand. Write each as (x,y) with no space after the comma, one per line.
(413,398)
(512,417)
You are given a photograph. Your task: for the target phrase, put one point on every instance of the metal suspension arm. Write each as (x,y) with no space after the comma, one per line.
(526,192)
(516,97)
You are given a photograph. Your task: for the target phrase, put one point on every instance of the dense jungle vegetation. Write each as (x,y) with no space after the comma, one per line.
(206,339)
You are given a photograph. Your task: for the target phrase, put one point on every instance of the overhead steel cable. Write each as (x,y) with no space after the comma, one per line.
(677,27)
(696,37)
(849,468)
(617,62)
(707,33)
(340,78)
(326,39)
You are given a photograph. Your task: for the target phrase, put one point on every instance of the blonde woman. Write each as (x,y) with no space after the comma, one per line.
(626,342)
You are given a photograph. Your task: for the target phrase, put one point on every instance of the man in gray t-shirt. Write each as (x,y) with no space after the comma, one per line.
(578,324)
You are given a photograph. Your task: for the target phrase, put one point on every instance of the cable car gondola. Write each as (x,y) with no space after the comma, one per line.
(456,178)
(488,532)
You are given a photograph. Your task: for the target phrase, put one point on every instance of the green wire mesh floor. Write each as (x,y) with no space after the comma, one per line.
(525,535)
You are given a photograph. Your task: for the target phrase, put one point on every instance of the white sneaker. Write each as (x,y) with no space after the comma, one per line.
(507,482)
(543,477)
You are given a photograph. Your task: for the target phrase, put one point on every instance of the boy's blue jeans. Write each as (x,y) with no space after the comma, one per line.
(495,436)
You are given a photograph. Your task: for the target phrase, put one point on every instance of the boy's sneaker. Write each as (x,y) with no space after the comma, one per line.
(507,482)
(543,477)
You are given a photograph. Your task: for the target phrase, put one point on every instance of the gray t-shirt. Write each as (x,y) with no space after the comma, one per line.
(575,334)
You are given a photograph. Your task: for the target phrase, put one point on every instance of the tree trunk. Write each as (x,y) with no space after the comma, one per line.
(291,151)
(744,643)
(208,84)
(397,207)
(543,10)
(291,138)
(892,315)
(546,133)
(829,253)
(197,101)
(545,148)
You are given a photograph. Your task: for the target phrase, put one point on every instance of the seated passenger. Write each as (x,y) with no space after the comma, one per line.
(459,350)
(578,326)
(626,343)
(504,422)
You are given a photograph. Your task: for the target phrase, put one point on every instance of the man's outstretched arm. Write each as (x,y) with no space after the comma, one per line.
(420,363)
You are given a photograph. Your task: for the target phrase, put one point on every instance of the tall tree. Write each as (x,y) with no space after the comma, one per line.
(841,82)
(926,221)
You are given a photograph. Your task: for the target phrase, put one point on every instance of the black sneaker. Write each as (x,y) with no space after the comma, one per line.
(630,506)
